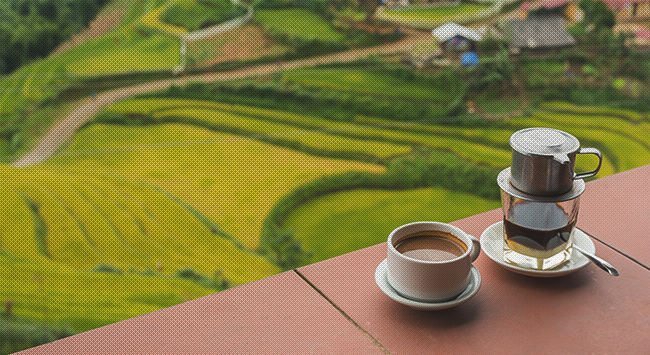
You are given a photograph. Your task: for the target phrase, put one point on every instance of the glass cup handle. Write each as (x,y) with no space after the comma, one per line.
(600,162)
(476,248)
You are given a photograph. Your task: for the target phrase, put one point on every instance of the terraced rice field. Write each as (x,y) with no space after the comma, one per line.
(615,135)
(83,220)
(346,221)
(364,137)
(58,225)
(366,217)
(622,141)
(370,83)
(56,294)
(233,180)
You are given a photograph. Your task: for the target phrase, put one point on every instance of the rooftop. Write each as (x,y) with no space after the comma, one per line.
(540,32)
(451,30)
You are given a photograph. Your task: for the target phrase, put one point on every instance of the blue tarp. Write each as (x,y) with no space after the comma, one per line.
(469,59)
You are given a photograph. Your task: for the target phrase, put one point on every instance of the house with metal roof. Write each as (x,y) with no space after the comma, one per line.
(539,33)
(456,37)
(451,30)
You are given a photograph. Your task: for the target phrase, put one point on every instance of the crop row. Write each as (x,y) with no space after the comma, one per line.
(108,220)
(568,108)
(253,119)
(625,145)
(81,300)
(396,85)
(215,117)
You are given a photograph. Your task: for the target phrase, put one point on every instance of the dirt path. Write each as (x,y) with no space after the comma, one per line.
(65,129)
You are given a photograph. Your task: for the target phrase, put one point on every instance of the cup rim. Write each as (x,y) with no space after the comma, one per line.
(456,232)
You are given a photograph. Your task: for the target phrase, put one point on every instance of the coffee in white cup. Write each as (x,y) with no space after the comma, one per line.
(430,261)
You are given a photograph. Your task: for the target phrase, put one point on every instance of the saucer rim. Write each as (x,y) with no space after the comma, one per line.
(581,238)
(381,278)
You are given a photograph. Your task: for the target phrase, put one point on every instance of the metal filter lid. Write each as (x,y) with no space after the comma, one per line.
(543,141)
(504,183)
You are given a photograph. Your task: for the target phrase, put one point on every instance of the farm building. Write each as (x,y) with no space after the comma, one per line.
(539,33)
(453,36)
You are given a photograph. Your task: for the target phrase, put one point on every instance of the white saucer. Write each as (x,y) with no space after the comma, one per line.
(492,245)
(381,278)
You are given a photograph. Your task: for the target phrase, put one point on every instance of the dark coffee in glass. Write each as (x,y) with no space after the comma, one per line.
(538,235)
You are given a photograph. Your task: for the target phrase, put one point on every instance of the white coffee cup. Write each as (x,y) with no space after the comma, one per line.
(436,277)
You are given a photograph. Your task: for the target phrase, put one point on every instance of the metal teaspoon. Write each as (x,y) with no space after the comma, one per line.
(598,261)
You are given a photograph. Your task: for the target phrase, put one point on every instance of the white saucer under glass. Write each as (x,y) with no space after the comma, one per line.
(381,278)
(492,245)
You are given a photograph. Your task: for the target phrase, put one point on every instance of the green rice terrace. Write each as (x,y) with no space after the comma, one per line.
(194,15)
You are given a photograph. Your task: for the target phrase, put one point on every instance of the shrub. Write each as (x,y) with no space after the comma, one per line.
(282,248)
(107,268)
(17,335)
(217,282)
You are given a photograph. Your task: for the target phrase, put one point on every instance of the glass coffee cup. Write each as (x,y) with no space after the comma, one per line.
(538,231)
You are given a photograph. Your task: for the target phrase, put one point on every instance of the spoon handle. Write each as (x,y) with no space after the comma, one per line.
(598,261)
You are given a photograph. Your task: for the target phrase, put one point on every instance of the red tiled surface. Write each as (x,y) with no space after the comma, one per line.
(281,314)
(616,210)
(586,312)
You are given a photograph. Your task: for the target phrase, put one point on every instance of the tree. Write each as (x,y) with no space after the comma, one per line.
(369,7)
(285,250)
(597,15)
(491,72)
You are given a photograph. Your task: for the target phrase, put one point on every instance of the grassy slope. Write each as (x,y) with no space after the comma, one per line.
(299,23)
(232,180)
(87,300)
(429,18)
(123,52)
(347,221)
(89,220)
(191,14)
(367,82)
